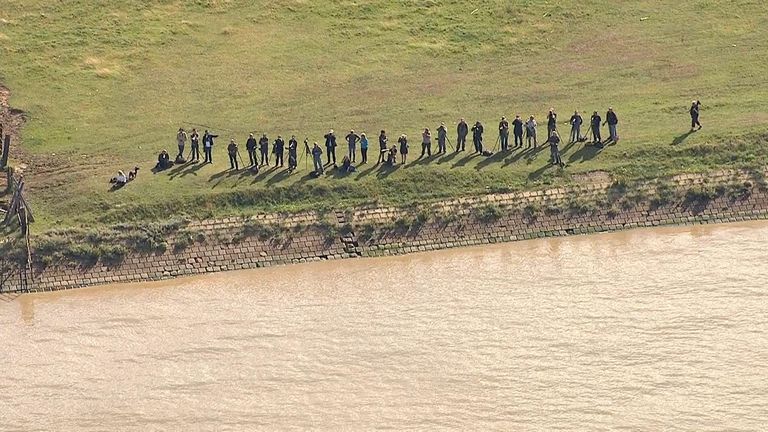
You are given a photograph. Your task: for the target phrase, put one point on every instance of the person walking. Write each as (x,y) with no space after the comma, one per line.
(181,140)
(293,146)
(504,134)
(363,148)
(576,122)
(250,147)
(694,111)
(383,147)
(208,146)
(264,149)
(477,136)
(595,123)
(462,130)
(442,134)
(530,130)
(613,122)
(403,141)
(278,147)
(426,143)
(551,121)
(232,152)
(194,140)
(554,149)
(517,129)
(352,138)
(317,158)
(330,147)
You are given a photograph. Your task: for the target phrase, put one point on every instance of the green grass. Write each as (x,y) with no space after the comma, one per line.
(105,87)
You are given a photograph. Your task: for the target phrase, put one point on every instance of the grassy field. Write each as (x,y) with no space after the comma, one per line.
(106,86)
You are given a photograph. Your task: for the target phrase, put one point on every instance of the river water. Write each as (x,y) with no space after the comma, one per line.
(645,330)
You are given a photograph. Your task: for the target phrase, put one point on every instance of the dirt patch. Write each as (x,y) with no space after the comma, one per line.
(593,177)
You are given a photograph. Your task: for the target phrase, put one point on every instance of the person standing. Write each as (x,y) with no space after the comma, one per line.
(613,121)
(442,134)
(250,146)
(278,148)
(181,140)
(504,134)
(264,149)
(317,158)
(554,148)
(576,122)
(292,153)
(403,141)
(462,130)
(352,138)
(530,130)
(595,123)
(517,129)
(363,148)
(208,146)
(551,121)
(426,143)
(330,147)
(695,107)
(477,136)
(194,140)
(383,147)
(232,152)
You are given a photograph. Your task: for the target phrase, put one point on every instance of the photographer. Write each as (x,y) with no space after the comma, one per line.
(477,137)
(695,107)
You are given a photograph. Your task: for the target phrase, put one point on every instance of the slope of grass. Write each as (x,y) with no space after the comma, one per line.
(106,86)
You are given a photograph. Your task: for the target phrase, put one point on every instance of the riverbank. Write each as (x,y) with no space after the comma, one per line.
(195,247)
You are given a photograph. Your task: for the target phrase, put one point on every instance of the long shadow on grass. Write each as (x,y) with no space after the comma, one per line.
(447,157)
(584,154)
(679,139)
(536,174)
(362,174)
(496,157)
(185,170)
(422,161)
(386,170)
(517,156)
(225,175)
(463,161)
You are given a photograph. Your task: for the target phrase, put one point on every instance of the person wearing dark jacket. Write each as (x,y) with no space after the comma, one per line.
(264,149)
(292,153)
(595,123)
(477,136)
(504,134)
(330,147)
(352,139)
(383,149)
(403,141)
(163,161)
(426,143)
(695,107)
(442,134)
(554,149)
(551,121)
(576,122)
(208,146)
(613,121)
(232,152)
(517,129)
(194,140)
(317,158)
(278,148)
(462,130)
(250,146)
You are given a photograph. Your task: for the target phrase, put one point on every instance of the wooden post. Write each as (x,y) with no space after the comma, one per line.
(6,149)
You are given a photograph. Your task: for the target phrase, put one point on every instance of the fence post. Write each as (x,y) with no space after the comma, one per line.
(6,149)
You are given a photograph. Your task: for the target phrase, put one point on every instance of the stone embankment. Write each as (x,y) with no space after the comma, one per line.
(269,240)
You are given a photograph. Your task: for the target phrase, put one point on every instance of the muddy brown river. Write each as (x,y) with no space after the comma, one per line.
(646,330)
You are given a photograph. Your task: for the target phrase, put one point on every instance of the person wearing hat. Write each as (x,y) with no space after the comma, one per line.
(352,138)
(462,130)
(250,146)
(194,140)
(504,134)
(477,136)
(442,134)
(293,146)
(278,148)
(517,129)
(694,111)
(264,149)
(613,121)
(232,152)
(576,122)
(363,148)
(181,140)
(330,147)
